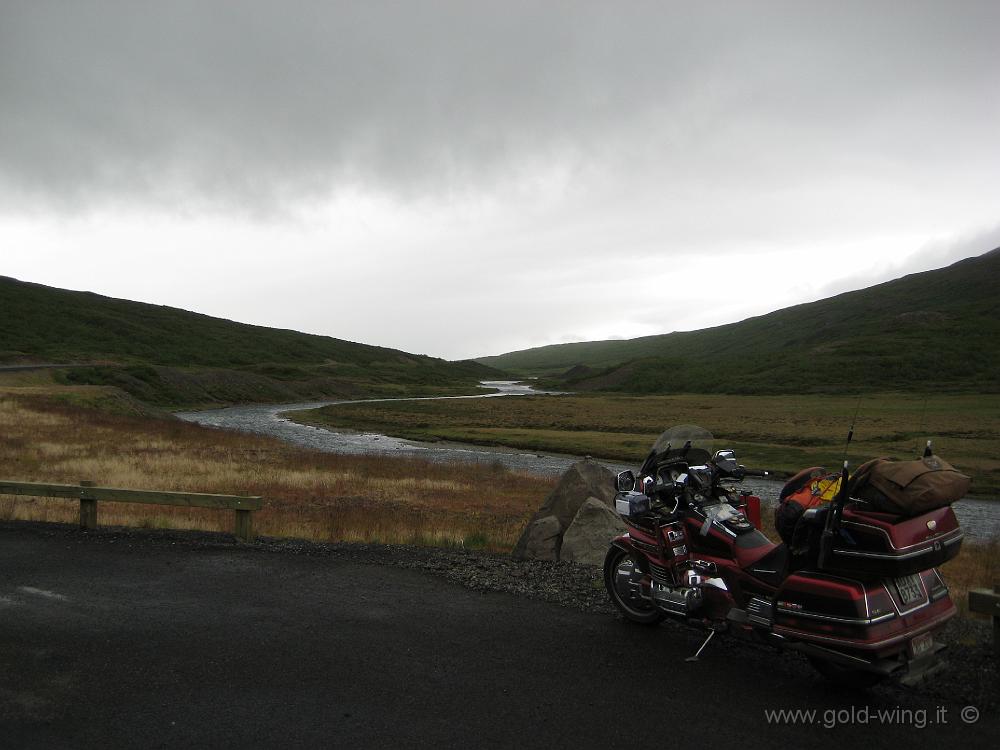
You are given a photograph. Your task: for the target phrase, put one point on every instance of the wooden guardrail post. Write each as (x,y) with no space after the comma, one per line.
(244,525)
(88,507)
(987,602)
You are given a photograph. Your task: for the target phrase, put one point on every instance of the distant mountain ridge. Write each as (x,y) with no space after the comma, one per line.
(935,330)
(166,355)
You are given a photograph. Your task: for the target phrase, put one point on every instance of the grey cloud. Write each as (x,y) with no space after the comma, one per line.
(254,105)
(934,254)
(524,164)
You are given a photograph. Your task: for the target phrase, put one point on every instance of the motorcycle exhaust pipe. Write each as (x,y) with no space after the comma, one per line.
(679,601)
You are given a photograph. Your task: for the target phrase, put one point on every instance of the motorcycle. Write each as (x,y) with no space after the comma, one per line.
(864,604)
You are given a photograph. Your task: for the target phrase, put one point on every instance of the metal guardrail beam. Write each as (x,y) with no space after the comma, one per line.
(89,495)
(987,602)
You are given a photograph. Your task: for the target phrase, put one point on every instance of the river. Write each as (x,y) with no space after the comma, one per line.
(979,518)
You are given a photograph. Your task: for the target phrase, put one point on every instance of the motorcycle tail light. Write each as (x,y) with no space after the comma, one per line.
(879,603)
(936,587)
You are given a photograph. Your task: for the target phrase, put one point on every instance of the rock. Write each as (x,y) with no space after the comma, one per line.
(582,480)
(586,539)
(542,539)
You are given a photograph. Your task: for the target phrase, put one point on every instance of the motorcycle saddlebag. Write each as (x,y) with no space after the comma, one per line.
(871,543)
(864,615)
(807,598)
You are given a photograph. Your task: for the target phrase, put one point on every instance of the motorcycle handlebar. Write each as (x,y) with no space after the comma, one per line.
(752,473)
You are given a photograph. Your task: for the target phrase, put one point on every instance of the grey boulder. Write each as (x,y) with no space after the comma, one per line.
(582,480)
(594,526)
(542,539)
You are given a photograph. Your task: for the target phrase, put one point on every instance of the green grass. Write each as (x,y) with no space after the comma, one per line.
(780,433)
(935,331)
(175,387)
(99,398)
(171,357)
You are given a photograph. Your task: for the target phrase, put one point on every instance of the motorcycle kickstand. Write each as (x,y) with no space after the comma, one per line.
(701,648)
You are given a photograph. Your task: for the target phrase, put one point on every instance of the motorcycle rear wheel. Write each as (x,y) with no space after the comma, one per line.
(621,570)
(845,676)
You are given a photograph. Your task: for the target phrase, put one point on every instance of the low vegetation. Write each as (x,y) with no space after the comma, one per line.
(170,357)
(194,387)
(92,433)
(934,331)
(782,434)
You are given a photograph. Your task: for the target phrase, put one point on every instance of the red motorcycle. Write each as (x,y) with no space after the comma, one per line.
(863,603)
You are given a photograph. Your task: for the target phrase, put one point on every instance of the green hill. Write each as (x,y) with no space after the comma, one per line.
(937,330)
(168,356)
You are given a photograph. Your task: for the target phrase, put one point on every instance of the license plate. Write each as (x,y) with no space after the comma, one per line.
(909,589)
(921,645)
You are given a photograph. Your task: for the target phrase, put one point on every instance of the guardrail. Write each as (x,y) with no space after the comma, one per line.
(89,495)
(987,602)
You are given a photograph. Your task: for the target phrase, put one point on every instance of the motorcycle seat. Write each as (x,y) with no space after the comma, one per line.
(762,558)
(749,548)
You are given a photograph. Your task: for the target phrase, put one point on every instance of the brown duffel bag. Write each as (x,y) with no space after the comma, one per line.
(908,488)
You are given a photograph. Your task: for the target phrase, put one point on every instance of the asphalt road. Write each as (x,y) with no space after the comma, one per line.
(132,641)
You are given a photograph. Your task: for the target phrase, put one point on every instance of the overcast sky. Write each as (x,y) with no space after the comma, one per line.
(462,179)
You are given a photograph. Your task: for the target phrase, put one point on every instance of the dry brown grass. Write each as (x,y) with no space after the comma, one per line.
(307,494)
(977,566)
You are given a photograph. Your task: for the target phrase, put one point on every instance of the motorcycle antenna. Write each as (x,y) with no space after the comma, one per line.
(832,525)
(920,425)
(850,432)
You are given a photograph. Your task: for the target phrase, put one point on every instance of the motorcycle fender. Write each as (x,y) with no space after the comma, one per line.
(624,543)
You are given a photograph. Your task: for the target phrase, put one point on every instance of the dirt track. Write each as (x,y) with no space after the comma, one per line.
(141,639)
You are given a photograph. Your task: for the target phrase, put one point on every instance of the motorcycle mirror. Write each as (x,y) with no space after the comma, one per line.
(625,481)
(725,461)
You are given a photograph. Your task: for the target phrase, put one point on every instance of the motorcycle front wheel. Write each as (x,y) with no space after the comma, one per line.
(622,577)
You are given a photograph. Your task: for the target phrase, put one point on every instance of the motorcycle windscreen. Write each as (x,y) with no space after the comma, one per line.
(686,441)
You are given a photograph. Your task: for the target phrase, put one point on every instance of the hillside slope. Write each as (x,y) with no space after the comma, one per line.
(165,355)
(937,330)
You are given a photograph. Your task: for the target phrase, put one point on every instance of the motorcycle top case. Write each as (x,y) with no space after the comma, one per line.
(882,544)
(631,504)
